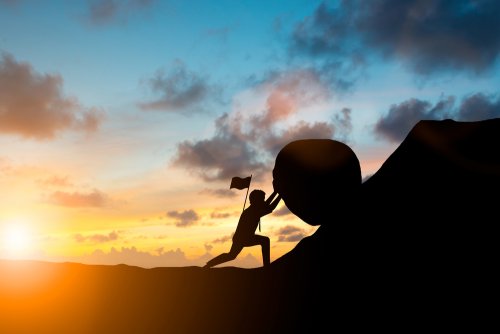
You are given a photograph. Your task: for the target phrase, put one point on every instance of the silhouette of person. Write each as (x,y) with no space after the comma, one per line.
(245,231)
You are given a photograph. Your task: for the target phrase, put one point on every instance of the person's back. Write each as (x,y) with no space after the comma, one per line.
(249,220)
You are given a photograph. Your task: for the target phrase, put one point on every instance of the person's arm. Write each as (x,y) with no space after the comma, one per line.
(272,202)
(271,197)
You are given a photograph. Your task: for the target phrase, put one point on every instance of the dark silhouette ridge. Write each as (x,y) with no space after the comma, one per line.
(414,247)
(443,184)
(445,177)
(447,156)
(41,297)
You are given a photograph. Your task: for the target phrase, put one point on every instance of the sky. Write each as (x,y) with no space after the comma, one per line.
(123,122)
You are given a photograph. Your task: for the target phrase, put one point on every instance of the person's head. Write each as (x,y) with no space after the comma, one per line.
(317,179)
(257,196)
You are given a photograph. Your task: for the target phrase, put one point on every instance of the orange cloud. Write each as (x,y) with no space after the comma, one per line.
(280,105)
(33,105)
(97,238)
(77,199)
(55,181)
(223,239)
(289,91)
(221,215)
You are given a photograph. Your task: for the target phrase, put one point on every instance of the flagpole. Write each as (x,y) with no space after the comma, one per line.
(247,193)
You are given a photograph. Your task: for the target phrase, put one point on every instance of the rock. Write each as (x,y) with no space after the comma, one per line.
(317,179)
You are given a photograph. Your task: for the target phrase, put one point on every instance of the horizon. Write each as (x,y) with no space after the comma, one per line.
(122,123)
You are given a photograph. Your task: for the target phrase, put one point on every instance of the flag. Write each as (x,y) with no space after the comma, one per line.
(240,183)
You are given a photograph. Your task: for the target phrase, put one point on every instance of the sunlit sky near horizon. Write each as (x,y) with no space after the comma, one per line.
(122,122)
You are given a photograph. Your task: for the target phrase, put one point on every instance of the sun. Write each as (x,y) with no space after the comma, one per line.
(16,239)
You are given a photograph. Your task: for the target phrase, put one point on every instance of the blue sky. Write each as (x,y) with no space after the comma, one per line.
(115,113)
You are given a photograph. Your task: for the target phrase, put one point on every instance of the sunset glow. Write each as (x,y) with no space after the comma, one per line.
(16,240)
(123,122)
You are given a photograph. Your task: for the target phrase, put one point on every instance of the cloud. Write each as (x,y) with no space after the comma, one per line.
(221,215)
(96,238)
(283,211)
(221,193)
(274,142)
(395,125)
(102,12)
(32,105)
(77,199)
(223,239)
(478,107)
(402,117)
(428,36)
(90,120)
(245,141)
(287,92)
(221,157)
(185,218)
(290,233)
(208,248)
(55,181)
(180,91)
(344,122)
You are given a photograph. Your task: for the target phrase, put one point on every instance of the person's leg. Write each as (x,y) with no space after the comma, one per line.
(264,244)
(225,257)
